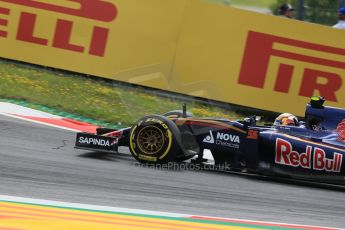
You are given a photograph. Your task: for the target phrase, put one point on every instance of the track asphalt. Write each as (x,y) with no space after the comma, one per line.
(38,161)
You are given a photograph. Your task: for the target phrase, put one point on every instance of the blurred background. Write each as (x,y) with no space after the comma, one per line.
(194,61)
(321,11)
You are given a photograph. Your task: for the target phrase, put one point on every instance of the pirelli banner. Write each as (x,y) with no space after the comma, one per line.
(187,46)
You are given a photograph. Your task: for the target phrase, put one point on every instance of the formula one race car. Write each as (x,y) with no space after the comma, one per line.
(312,150)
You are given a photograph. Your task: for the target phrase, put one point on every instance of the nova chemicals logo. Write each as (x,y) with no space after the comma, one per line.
(209,138)
(223,139)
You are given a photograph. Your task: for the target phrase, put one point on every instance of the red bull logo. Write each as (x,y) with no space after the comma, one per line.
(62,31)
(260,48)
(313,157)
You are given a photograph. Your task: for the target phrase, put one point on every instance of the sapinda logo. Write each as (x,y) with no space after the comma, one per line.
(93,141)
(261,47)
(96,10)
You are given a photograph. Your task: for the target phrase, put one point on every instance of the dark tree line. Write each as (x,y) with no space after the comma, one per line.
(316,11)
(320,11)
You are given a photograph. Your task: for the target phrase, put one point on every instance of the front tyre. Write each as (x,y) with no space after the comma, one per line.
(154,139)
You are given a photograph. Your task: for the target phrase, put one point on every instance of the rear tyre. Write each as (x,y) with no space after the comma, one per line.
(154,139)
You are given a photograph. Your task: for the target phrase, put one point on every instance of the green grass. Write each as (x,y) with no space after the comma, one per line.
(101,100)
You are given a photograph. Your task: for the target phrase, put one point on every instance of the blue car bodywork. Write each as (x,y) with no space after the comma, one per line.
(314,150)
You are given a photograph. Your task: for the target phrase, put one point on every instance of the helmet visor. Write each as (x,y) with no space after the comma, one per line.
(288,121)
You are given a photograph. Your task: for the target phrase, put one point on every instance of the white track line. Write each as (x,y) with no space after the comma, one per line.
(87,206)
(39,122)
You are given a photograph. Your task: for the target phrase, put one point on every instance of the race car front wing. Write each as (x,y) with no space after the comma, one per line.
(96,142)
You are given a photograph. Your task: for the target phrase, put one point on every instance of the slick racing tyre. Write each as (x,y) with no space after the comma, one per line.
(154,139)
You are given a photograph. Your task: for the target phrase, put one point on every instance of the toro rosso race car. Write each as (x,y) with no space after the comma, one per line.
(312,150)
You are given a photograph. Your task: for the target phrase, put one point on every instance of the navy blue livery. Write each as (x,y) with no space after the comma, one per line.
(312,150)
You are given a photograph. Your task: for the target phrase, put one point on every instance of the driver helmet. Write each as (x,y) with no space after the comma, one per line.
(286,119)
